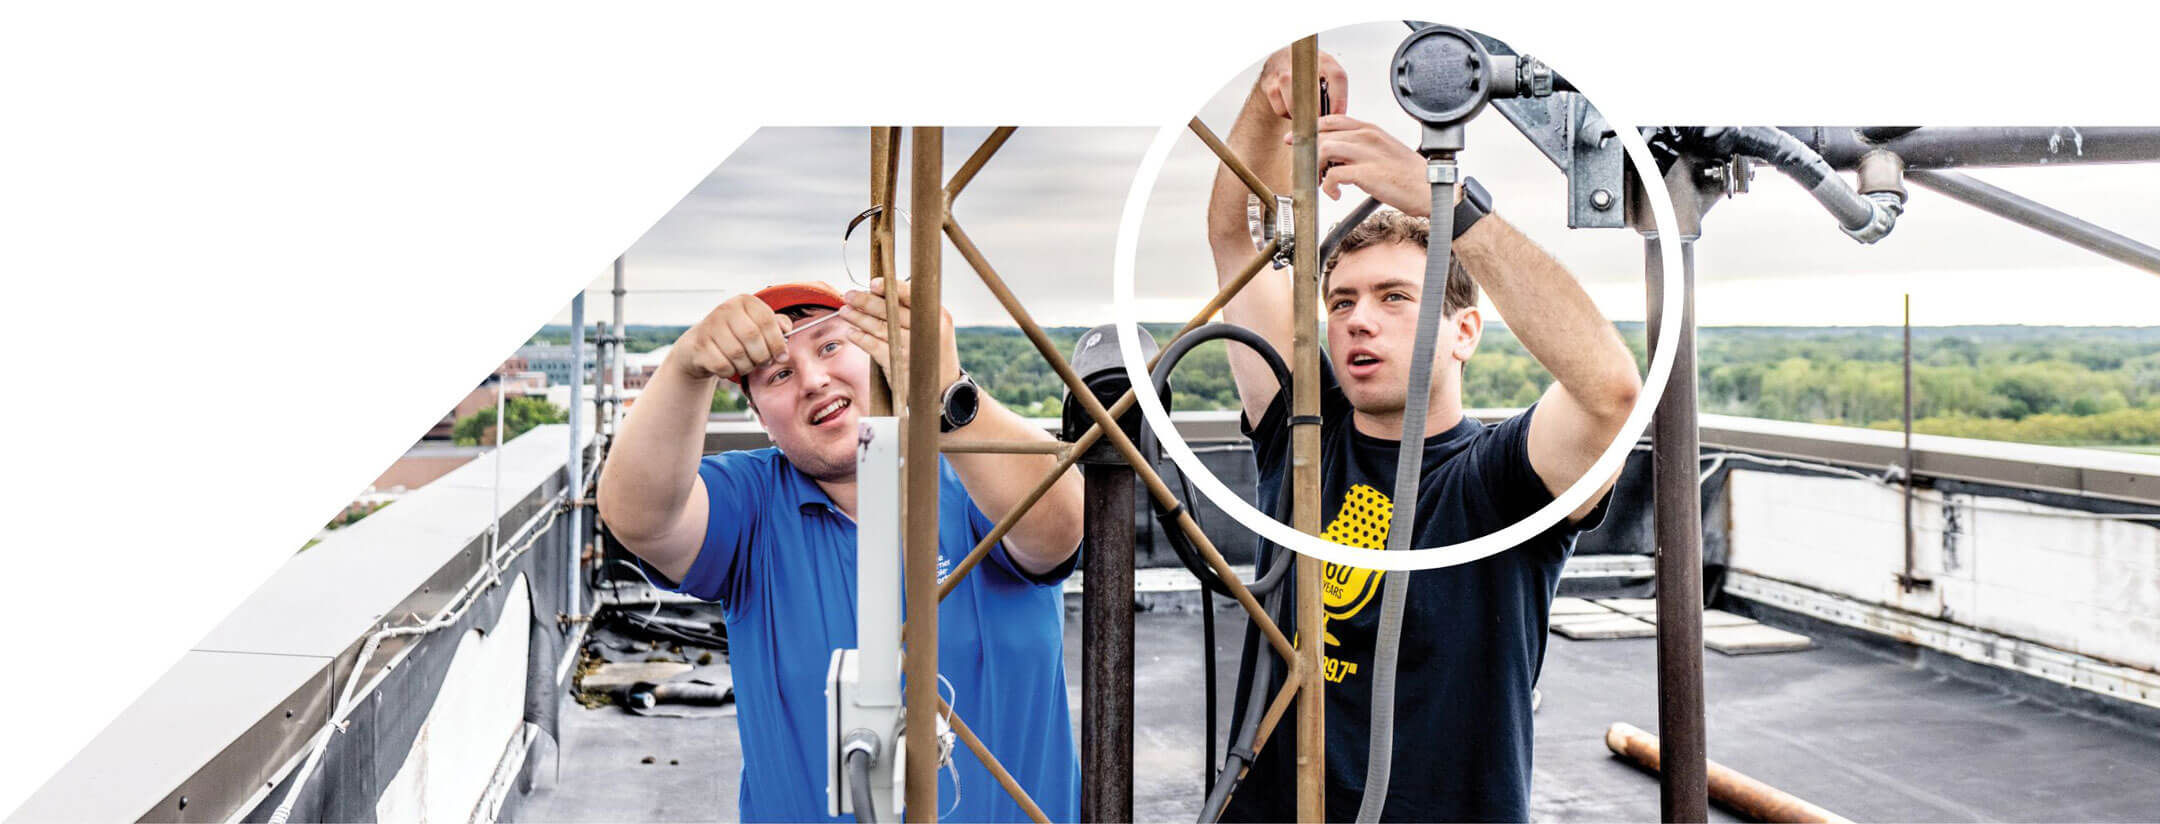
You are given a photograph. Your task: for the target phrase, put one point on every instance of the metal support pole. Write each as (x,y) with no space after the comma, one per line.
(601,347)
(1938,147)
(577,457)
(919,467)
(1106,660)
(2034,215)
(1683,793)
(1910,579)
(884,151)
(621,331)
(495,457)
(1305,430)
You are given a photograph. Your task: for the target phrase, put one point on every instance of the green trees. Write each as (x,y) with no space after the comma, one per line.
(2066,385)
(726,398)
(523,413)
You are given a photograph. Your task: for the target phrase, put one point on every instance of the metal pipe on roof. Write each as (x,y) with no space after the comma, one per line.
(495,458)
(1911,579)
(1106,660)
(1950,147)
(576,465)
(620,331)
(1731,788)
(2034,215)
(1677,497)
(602,346)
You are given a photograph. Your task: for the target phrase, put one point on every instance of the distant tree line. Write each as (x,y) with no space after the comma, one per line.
(2057,385)
(478,429)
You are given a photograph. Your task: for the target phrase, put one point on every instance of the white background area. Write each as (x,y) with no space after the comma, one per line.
(252,252)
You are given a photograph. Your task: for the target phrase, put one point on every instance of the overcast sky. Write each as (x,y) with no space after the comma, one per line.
(1045,213)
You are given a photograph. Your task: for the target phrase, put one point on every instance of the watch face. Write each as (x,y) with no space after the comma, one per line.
(964,404)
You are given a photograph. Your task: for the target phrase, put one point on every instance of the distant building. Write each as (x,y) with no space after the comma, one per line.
(639,367)
(554,360)
(419,466)
(517,381)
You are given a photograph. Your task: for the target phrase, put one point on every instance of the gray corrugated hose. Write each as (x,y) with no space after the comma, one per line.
(1409,463)
(1865,218)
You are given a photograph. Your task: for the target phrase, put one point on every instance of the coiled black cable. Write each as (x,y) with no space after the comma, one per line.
(1180,545)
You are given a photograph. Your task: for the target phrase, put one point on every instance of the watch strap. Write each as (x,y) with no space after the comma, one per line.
(1476,204)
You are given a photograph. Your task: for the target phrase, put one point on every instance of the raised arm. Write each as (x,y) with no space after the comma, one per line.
(1594,384)
(1258,138)
(650,494)
(1050,531)
(1594,381)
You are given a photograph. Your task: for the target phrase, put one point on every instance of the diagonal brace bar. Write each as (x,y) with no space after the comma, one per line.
(2041,217)
(975,162)
(1236,164)
(1125,447)
(1094,433)
(997,770)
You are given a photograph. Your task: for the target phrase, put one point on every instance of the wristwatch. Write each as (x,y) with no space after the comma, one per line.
(962,401)
(1476,204)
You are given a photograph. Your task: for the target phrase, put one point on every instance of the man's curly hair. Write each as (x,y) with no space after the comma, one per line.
(1390,226)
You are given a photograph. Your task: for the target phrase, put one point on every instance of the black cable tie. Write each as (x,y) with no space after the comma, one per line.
(1304,420)
(1242,754)
(1169,516)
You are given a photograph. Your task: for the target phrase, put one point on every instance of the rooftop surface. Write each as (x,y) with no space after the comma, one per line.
(1848,727)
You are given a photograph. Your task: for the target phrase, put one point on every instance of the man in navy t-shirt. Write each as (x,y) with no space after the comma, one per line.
(1473,635)
(769,534)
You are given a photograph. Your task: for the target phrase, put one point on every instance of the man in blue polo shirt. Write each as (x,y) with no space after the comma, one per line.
(769,534)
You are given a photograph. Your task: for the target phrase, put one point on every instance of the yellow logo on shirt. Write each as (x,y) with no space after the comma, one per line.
(1345,590)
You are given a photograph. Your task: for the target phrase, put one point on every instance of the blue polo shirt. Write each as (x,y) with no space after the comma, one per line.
(779,557)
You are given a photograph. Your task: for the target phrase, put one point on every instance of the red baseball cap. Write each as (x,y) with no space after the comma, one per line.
(801,293)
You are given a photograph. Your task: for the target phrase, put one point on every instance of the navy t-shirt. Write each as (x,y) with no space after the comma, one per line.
(1473,635)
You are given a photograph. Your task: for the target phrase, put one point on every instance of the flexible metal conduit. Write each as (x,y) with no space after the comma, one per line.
(858,767)
(1409,466)
(1866,218)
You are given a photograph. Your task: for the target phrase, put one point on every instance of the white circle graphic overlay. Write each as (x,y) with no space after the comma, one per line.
(1281,534)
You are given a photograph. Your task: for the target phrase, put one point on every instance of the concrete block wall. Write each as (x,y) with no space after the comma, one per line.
(2051,576)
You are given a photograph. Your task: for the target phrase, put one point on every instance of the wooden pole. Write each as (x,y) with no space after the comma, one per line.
(1731,788)
(919,459)
(884,157)
(1305,428)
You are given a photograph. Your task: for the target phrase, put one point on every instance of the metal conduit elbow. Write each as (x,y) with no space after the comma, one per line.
(1882,182)
(1865,218)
